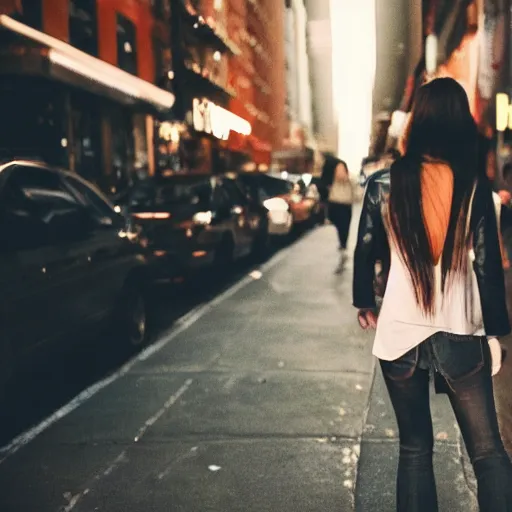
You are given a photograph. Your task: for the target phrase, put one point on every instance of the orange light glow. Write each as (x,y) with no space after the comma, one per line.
(152,215)
(199,254)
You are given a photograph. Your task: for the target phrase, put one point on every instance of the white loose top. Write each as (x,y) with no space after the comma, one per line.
(402,325)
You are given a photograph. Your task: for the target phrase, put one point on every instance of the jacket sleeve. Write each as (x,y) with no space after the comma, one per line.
(488,265)
(366,252)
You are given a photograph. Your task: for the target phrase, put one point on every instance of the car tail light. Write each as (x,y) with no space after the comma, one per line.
(152,215)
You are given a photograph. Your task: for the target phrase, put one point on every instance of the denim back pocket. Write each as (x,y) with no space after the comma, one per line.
(457,357)
(401,368)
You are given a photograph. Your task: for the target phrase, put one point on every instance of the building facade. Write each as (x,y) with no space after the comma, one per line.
(110,88)
(228,63)
(325,122)
(296,155)
(399,49)
(82,82)
(192,138)
(257,75)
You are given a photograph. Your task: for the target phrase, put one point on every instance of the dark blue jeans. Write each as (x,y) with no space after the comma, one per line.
(463,365)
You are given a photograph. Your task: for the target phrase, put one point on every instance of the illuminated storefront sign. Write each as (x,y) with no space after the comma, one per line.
(431,54)
(211,118)
(503,112)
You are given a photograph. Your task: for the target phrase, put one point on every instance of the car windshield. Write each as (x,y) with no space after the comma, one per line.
(274,187)
(173,193)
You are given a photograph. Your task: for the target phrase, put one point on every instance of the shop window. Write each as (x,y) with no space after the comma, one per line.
(83,28)
(140,143)
(196,154)
(167,148)
(123,151)
(161,65)
(126,45)
(86,142)
(38,121)
(32,13)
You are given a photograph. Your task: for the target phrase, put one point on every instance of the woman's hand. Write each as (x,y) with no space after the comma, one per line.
(367,319)
(505,197)
(498,354)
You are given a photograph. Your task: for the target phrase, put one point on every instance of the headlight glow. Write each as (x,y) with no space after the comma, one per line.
(276,204)
(203,218)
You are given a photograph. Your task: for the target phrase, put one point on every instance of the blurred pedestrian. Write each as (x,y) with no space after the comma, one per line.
(445,303)
(341,198)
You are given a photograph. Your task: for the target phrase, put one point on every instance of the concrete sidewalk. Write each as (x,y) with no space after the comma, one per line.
(262,401)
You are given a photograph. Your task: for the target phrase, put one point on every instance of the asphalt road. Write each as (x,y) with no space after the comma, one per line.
(263,397)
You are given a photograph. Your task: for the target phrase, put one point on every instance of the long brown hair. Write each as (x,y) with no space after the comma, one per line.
(441,128)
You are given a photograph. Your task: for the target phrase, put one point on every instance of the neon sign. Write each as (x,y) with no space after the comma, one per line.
(211,118)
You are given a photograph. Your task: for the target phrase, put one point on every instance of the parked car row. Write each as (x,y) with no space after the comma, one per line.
(72,262)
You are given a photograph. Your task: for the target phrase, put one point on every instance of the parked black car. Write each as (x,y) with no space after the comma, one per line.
(67,263)
(195,221)
(273,195)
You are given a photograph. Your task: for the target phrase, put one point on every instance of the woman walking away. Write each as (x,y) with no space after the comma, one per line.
(341,197)
(444,304)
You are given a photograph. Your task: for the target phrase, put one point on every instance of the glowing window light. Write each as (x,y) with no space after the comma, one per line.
(83,64)
(503,120)
(431,53)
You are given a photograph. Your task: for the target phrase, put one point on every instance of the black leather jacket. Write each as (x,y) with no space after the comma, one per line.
(372,246)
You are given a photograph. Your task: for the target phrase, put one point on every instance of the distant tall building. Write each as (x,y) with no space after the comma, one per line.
(325,122)
(399,49)
(299,144)
(342,66)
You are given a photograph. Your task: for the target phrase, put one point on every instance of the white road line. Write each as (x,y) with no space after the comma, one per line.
(170,402)
(182,324)
(122,458)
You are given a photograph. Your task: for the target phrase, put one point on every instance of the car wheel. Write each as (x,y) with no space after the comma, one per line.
(131,321)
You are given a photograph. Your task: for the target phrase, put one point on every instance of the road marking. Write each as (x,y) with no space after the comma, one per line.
(172,400)
(122,458)
(181,325)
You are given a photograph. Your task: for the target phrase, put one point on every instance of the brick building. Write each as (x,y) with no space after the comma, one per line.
(106,87)
(230,73)
(78,83)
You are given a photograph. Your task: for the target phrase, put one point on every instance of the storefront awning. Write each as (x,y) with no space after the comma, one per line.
(66,61)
